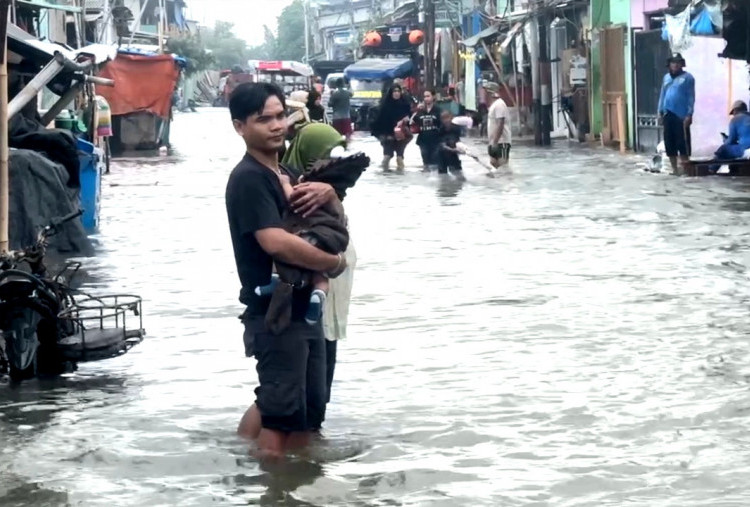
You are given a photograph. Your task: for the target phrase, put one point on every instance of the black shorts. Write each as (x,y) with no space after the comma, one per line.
(676,136)
(291,369)
(499,151)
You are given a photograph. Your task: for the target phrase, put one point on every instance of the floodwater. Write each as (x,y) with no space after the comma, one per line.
(572,334)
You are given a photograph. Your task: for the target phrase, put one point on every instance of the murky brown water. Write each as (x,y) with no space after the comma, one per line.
(574,334)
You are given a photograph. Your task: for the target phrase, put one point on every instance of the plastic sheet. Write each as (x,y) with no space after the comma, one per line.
(678,31)
(702,24)
(715,12)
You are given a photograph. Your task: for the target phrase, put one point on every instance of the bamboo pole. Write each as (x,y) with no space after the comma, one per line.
(4,7)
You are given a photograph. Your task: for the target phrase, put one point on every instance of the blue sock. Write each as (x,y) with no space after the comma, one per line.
(267,290)
(315,308)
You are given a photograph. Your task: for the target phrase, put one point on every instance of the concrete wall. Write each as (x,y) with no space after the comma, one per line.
(638,7)
(718,83)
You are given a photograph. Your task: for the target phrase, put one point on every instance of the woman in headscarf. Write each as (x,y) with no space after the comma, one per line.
(315,107)
(394,110)
(315,142)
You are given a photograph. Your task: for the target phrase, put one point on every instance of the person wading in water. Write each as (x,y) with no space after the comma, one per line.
(676,104)
(291,366)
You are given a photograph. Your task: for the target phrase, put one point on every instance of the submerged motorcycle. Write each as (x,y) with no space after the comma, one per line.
(46,327)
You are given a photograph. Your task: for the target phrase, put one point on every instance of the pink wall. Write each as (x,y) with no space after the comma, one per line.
(638,7)
(714,91)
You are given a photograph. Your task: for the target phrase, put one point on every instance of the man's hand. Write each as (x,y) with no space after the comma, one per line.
(307,197)
(688,121)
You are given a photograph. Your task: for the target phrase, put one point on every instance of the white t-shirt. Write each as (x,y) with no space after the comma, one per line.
(498,110)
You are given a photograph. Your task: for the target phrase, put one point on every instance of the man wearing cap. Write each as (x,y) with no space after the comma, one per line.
(676,103)
(498,126)
(739,133)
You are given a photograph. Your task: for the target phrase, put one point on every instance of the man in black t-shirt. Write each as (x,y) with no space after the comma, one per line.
(291,366)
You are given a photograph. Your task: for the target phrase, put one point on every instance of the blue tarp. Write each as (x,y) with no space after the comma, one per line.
(379,68)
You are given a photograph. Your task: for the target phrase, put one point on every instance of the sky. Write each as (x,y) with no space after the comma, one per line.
(248,16)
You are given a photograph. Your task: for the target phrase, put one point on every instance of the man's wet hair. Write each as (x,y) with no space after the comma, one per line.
(340,82)
(250,98)
(432,91)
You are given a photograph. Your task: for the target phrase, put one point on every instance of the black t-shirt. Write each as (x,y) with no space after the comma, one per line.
(450,135)
(255,201)
(429,126)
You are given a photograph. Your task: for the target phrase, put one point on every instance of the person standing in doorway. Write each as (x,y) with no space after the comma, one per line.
(676,104)
(498,127)
(291,398)
(427,123)
(340,103)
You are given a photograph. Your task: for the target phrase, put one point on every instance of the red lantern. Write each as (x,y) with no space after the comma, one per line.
(373,39)
(416,37)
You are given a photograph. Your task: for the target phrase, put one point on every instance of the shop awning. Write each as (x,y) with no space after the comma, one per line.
(379,68)
(43,4)
(476,39)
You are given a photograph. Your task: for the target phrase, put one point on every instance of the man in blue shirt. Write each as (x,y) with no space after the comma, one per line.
(739,133)
(676,103)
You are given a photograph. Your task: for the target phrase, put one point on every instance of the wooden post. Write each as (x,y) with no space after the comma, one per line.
(621,123)
(4,188)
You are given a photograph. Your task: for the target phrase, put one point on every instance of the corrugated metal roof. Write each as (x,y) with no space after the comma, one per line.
(45,4)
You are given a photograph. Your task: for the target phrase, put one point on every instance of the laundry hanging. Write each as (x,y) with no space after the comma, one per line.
(678,31)
(702,24)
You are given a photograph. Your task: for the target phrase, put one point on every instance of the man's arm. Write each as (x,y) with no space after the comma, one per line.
(660,107)
(294,250)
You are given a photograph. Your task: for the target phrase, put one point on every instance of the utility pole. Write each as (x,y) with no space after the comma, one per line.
(4,150)
(545,75)
(429,44)
(352,30)
(306,9)
(536,87)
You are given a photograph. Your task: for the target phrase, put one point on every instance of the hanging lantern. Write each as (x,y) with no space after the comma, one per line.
(373,39)
(416,37)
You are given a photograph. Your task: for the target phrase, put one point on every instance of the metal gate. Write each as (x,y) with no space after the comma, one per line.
(650,60)
(614,98)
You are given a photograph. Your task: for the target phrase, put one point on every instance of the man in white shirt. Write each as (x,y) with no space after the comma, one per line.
(498,127)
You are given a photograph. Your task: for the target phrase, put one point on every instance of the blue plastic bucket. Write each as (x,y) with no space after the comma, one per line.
(90,184)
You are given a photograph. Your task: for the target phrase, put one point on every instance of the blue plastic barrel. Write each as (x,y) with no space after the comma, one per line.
(90,184)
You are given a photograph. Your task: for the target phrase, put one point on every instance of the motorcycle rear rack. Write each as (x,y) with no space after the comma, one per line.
(101,327)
